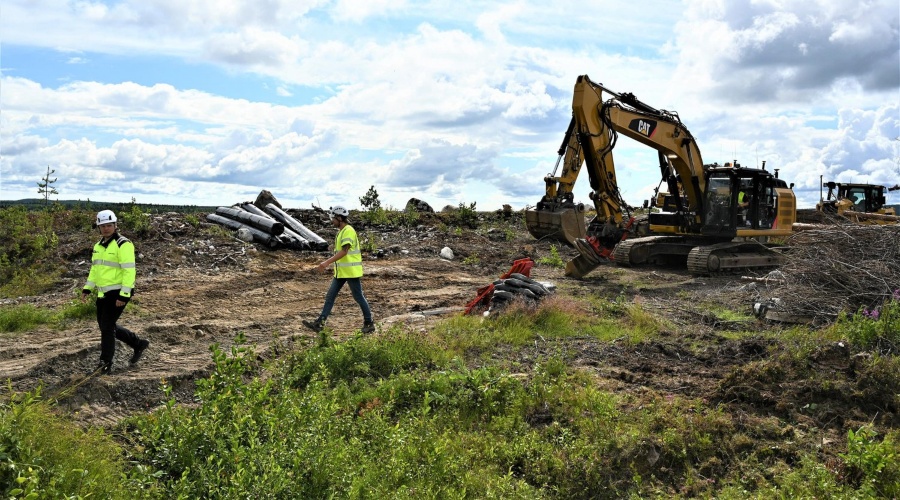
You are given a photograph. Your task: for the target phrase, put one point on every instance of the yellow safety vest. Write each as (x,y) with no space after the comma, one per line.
(112,267)
(350,266)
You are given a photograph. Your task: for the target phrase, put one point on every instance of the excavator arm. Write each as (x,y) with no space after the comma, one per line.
(599,115)
(601,121)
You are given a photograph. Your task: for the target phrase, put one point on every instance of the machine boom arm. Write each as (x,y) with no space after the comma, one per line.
(599,121)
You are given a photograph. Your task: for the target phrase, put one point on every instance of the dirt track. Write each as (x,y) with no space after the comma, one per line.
(184,311)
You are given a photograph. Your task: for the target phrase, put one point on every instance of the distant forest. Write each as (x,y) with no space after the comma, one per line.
(40,204)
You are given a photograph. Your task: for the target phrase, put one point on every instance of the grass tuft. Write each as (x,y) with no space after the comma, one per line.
(23,317)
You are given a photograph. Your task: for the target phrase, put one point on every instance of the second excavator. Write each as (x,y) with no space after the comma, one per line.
(714,218)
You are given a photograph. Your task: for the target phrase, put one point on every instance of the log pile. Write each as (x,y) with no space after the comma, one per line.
(838,269)
(271,227)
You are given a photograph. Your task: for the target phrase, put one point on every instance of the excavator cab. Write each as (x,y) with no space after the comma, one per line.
(741,202)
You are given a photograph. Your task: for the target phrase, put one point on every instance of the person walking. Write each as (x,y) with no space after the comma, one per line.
(112,274)
(348,269)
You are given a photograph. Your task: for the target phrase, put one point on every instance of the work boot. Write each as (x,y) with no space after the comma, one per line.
(368,327)
(315,326)
(139,351)
(102,368)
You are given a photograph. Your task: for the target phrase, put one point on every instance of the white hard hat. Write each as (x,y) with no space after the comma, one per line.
(106,217)
(339,210)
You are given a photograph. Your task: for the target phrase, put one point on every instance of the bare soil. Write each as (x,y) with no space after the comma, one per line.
(198,287)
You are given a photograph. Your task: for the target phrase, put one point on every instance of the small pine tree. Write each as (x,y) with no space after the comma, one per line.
(45,188)
(370,201)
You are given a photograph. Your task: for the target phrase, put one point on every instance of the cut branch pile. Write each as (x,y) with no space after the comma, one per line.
(839,269)
(273,227)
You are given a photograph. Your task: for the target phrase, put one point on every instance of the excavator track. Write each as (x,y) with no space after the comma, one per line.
(732,256)
(637,251)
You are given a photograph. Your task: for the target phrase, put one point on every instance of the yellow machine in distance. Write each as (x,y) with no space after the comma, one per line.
(863,203)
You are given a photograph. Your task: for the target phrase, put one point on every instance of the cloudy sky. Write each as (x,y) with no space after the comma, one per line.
(206,102)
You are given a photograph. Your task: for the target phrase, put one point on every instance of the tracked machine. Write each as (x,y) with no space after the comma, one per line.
(861,203)
(714,218)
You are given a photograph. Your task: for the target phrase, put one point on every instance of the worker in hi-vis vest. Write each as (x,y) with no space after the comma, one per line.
(112,274)
(347,260)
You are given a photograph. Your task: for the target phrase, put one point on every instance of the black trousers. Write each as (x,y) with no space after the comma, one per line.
(107,316)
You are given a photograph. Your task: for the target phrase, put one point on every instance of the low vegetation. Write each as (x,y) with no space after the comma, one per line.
(23,317)
(473,408)
(28,241)
(437,416)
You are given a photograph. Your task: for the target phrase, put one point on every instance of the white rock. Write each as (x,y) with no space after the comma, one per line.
(446,253)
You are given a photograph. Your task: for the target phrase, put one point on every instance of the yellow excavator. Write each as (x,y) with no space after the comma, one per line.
(715,219)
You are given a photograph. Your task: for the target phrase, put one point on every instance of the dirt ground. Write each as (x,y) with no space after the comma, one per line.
(197,288)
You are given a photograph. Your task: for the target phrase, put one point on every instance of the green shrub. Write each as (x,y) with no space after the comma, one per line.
(134,220)
(376,216)
(27,243)
(553,260)
(408,217)
(404,416)
(24,317)
(76,310)
(370,200)
(874,465)
(368,243)
(45,456)
(461,216)
(365,358)
(250,438)
(217,231)
(877,328)
(517,325)
(466,215)
(471,260)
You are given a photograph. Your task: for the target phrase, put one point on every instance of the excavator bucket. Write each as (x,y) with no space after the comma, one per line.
(587,260)
(564,224)
(580,266)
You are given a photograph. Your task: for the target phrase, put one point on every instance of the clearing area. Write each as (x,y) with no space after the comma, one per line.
(646,334)
(198,287)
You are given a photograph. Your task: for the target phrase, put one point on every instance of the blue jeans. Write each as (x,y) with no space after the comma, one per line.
(355,289)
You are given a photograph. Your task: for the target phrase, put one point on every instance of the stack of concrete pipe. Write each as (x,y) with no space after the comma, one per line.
(272,228)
